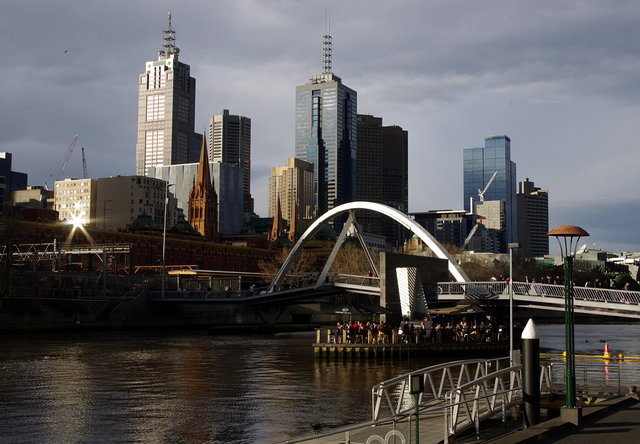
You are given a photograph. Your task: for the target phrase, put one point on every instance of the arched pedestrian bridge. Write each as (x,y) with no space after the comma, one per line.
(290,289)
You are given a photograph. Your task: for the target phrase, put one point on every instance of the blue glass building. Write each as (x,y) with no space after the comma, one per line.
(326,127)
(479,165)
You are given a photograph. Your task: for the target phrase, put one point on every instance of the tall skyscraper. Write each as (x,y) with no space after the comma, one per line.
(382,173)
(533,219)
(326,134)
(230,142)
(480,164)
(292,185)
(166,110)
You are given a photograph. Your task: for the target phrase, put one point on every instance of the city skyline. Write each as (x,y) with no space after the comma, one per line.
(559,80)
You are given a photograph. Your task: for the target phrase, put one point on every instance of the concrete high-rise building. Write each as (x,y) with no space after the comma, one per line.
(533,219)
(9,180)
(33,197)
(75,200)
(447,226)
(230,142)
(382,174)
(121,199)
(166,110)
(112,203)
(293,185)
(326,135)
(480,164)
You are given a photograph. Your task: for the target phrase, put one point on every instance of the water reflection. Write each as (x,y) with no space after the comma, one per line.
(192,387)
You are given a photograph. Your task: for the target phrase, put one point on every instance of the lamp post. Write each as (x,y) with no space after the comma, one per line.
(568,237)
(164,235)
(416,387)
(511,246)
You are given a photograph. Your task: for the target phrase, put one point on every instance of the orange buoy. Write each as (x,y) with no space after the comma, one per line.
(606,354)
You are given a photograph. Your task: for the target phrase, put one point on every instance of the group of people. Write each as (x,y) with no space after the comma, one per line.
(464,331)
(426,331)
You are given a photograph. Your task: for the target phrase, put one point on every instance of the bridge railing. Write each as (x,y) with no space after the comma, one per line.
(354,279)
(491,289)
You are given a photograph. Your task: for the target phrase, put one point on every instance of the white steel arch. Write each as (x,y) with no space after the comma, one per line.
(385,210)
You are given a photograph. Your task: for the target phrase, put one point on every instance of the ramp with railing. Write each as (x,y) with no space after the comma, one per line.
(587,300)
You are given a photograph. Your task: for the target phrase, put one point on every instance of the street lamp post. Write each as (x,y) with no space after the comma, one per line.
(511,246)
(164,236)
(568,237)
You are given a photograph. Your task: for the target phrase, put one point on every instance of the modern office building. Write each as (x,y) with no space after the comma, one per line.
(382,174)
(227,181)
(292,185)
(229,141)
(326,135)
(533,219)
(166,110)
(480,164)
(75,200)
(9,180)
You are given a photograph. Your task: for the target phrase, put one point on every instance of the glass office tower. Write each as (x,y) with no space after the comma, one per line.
(326,125)
(479,166)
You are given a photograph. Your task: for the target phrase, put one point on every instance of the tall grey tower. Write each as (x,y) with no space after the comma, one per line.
(326,125)
(166,110)
(229,141)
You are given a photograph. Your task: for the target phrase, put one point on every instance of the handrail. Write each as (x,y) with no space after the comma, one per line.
(487,290)
(481,398)
(393,397)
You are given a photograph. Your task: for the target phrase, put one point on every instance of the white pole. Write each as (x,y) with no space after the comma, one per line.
(511,247)
(164,236)
(511,307)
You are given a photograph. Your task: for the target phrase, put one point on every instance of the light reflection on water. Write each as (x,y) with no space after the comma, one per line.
(192,387)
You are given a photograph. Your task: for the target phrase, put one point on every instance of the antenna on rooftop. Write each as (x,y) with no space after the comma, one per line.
(326,44)
(169,40)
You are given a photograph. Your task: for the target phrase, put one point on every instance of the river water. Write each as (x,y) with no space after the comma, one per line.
(192,387)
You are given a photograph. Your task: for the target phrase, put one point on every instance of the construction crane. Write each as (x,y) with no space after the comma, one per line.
(64,163)
(486,187)
(84,163)
(472,232)
(481,192)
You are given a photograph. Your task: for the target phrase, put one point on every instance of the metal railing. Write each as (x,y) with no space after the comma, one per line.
(490,289)
(353,279)
(605,377)
(392,398)
(487,396)
(463,393)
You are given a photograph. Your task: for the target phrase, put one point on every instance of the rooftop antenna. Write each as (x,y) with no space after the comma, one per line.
(169,40)
(326,44)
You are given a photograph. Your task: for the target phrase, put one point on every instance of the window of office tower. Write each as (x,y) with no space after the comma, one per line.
(155,107)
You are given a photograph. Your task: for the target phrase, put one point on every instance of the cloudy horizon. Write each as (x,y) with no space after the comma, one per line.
(559,78)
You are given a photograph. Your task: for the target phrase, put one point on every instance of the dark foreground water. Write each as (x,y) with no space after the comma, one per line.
(192,387)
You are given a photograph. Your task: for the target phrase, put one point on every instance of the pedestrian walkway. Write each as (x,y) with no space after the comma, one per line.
(616,420)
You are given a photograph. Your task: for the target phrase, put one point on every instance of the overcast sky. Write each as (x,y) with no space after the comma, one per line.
(561,79)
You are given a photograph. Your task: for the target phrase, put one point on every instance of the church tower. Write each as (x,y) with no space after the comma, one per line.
(203,200)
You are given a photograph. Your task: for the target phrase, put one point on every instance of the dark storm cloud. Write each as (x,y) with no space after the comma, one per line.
(559,77)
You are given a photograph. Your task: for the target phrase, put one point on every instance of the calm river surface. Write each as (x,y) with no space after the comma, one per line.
(191,387)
